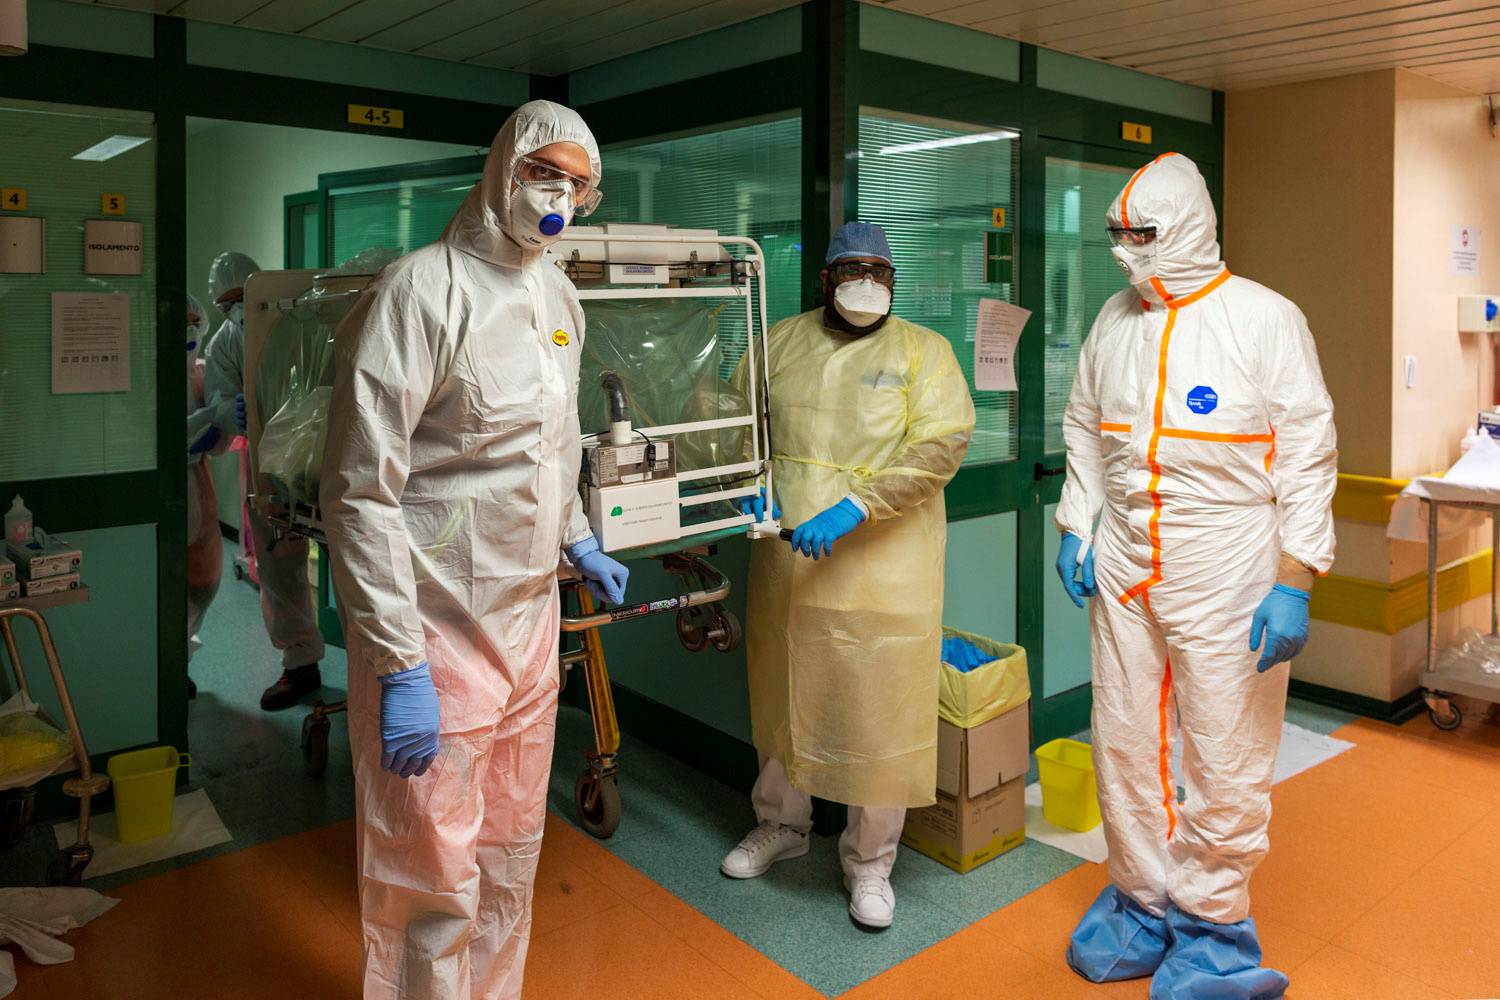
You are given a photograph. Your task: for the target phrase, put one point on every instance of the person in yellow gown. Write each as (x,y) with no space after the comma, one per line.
(870,419)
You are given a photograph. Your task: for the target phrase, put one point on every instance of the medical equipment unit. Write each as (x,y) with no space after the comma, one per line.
(672,398)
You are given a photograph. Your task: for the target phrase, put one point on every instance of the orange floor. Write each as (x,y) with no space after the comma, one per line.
(1383,882)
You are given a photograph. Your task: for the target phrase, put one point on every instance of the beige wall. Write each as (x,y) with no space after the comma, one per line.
(1447,172)
(1307,184)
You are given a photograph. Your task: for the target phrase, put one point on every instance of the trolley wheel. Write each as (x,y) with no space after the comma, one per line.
(16,807)
(694,637)
(315,745)
(239,572)
(67,867)
(598,802)
(1454,719)
(731,632)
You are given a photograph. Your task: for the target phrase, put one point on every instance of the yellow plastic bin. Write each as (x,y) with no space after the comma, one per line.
(145,782)
(1069,795)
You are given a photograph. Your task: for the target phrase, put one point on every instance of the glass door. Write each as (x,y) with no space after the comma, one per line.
(1081,182)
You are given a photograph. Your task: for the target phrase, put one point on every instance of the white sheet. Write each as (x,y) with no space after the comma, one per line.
(1475,477)
(195,825)
(1300,750)
(36,919)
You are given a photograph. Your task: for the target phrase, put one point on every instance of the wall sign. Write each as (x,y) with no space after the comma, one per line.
(90,342)
(360,114)
(1135,132)
(12,199)
(112,246)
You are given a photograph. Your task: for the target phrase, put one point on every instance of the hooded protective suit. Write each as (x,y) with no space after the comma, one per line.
(449,492)
(205,551)
(1200,436)
(286,602)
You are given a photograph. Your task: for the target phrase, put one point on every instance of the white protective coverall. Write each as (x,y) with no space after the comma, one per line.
(450,490)
(205,548)
(1201,437)
(843,652)
(286,602)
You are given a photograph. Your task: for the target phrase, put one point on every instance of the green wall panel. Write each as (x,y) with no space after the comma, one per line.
(911,37)
(979,581)
(1101,81)
(1065,632)
(97,28)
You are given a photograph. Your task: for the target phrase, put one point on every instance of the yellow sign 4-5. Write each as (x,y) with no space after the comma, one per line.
(360,114)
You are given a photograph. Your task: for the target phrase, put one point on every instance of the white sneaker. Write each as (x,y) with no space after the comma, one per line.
(762,848)
(872,901)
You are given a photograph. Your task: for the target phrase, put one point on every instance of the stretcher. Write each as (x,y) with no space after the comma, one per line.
(669,313)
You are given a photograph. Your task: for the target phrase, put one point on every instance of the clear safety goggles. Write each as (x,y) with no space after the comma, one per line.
(531,172)
(1133,237)
(854,270)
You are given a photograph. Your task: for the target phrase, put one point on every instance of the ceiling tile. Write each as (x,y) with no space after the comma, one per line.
(552,46)
(293,15)
(488,35)
(454,18)
(221,11)
(367,17)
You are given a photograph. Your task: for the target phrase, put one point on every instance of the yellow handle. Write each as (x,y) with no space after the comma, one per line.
(184,760)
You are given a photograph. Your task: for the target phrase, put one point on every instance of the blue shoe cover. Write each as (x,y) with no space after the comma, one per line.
(1209,961)
(1117,939)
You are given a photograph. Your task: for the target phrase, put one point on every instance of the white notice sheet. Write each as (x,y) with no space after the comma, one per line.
(90,342)
(995,336)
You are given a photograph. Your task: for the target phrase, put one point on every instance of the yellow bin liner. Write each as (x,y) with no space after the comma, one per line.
(145,783)
(1069,796)
(987,692)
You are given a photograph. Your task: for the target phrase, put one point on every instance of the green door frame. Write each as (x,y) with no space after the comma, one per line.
(292,255)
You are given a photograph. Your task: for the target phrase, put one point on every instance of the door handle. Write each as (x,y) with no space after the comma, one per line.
(1041,472)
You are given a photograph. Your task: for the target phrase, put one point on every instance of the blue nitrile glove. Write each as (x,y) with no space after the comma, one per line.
(1282,618)
(1068,568)
(604,576)
(408,722)
(815,538)
(239,412)
(757,506)
(205,442)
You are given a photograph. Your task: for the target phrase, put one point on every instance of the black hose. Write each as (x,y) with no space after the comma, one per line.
(614,390)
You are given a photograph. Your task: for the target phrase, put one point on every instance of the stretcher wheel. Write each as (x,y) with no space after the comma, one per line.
(315,745)
(239,572)
(731,633)
(598,802)
(694,637)
(67,867)
(1452,721)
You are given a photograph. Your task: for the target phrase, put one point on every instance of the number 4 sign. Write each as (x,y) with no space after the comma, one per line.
(12,199)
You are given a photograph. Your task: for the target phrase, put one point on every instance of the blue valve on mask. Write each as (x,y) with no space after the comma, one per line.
(551,224)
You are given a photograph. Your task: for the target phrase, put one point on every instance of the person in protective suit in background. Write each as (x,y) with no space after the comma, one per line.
(205,547)
(286,601)
(871,417)
(1200,439)
(450,493)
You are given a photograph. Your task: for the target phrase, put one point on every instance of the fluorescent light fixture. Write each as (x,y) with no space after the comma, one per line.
(111,147)
(954,140)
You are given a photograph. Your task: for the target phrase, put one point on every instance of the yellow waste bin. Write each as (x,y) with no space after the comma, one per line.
(1069,796)
(145,782)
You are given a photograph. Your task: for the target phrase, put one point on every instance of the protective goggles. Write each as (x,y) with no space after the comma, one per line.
(854,270)
(1133,238)
(586,197)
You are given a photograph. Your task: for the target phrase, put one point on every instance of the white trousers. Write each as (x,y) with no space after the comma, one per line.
(868,844)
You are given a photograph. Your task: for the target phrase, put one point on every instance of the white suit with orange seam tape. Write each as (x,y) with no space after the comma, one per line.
(1200,437)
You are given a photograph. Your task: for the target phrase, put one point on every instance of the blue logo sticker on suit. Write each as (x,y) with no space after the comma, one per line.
(1202,399)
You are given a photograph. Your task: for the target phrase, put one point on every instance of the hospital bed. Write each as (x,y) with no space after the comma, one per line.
(670,440)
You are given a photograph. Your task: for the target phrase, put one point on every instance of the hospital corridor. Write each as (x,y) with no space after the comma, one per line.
(749,499)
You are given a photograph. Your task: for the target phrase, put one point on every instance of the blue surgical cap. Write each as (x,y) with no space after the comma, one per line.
(859,239)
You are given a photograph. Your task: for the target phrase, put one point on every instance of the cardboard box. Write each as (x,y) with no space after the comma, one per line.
(44,556)
(7,572)
(52,585)
(981,793)
(10,591)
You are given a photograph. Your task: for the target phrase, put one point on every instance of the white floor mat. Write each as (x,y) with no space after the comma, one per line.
(1301,749)
(195,825)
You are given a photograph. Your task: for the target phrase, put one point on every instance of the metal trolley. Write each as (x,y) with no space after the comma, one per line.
(1440,680)
(66,868)
(702,268)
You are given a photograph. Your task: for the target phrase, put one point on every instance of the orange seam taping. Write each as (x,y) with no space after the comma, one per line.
(1125,195)
(1187,435)
(1200,293)
(1107,427)
(1166,296)
(1270,455)
(1167,791)
(1156,429)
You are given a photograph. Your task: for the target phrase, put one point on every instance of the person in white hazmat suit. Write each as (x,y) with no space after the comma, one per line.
(1196,511)
(871,418)
(286,601)
(205,548)
(450,493)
